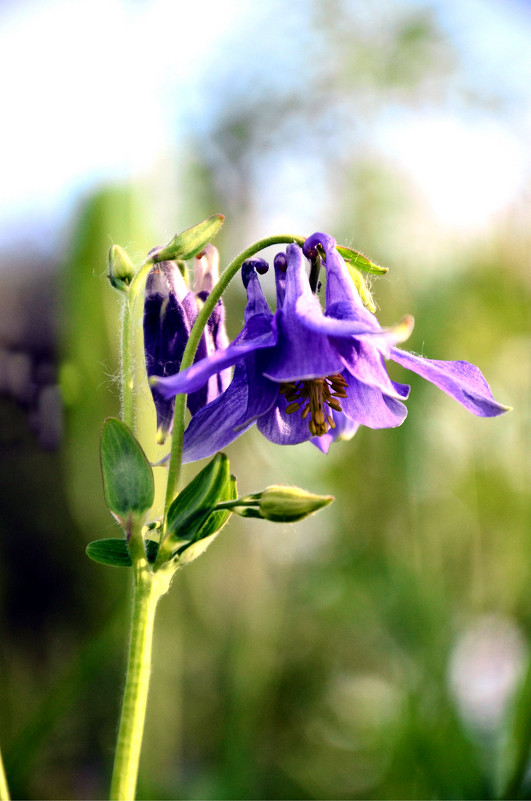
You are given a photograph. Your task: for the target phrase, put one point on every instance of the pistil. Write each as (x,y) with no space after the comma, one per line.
(315,396)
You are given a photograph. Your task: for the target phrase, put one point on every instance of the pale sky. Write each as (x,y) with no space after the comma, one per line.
(98,90)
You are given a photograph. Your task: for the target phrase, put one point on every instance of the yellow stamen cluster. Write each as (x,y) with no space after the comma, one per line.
(317,393)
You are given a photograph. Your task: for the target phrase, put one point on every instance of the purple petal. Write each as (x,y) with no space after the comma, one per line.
(345,429)
(300,353)
(280,264)
(206,269)
(365,362)
(326,241)
(165,278)
(262,392)
(217,425)
(343,318)
(368,406)
(461,380)
(256,302)
(218,340)
(282,428)
(340,286)
(170,310)
(257,333)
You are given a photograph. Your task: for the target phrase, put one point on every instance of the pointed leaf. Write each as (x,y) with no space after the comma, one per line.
(192,241)
(190,511)
(210,528)
(111,551)
(201,494)
(357,259)
(217,519)
(127,475)
(114,552)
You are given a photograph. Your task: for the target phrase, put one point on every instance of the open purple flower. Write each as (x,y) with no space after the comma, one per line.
(170,310)
(301,374)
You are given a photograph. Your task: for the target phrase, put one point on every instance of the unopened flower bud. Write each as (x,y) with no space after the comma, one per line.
(280,504)
(289,504)
(121,268)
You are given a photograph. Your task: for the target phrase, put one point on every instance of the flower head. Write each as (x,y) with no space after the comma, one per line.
(304,374)
(170,310)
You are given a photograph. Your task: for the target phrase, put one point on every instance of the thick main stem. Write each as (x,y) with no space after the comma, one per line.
(148,589)
(4,790)
(174,469)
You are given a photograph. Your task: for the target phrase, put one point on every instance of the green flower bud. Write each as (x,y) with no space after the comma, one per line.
(121,268)
(188,243)
(281,504)
(289,504)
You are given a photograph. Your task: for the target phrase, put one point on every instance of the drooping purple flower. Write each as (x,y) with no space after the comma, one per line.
(170,310)
(301,374)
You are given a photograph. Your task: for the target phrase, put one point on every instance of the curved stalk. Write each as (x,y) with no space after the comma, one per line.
(174,470)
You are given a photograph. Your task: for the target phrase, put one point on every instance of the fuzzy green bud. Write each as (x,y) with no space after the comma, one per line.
(289,504)
(121,268)
(280,504)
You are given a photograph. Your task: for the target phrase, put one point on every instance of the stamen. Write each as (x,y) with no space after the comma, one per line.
(292,408)
(319,393)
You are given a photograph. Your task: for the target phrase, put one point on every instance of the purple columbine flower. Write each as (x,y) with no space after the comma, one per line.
(170,310)
(301,374)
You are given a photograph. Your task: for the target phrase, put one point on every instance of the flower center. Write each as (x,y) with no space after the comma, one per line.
(315,395)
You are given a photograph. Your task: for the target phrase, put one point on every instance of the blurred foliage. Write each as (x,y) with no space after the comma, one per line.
(325,659)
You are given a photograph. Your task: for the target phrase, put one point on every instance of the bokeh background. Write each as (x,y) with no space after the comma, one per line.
(380,649)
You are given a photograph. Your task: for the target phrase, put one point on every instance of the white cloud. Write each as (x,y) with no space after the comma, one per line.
(466,169)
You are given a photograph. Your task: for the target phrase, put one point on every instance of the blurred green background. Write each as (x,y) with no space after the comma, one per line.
(381,648)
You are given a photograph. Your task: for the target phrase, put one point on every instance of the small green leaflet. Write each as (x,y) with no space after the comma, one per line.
(190,242)
(357,259)
(127,475)
(210,528)
(190,516)
(114,552)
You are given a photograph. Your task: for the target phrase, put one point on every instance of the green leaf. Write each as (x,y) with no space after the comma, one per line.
(210,528)
(127,475)
(216,520)
(188,515)
(357,259)
(114,552)
(363,290)
(198,498)
(192,241)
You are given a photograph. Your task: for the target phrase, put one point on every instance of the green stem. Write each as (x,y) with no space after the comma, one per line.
(148,589)
(128,345)
(4,790)
(174,469)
